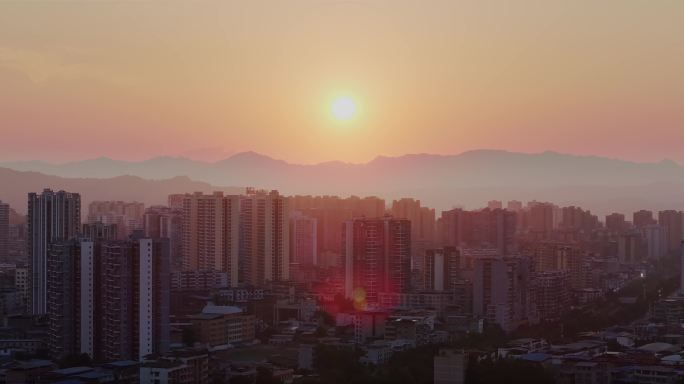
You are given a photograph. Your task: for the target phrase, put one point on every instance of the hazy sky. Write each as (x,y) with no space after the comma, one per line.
(137,79)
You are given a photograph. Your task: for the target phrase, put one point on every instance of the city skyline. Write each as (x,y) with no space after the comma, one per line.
(341,191)
(442,77)
(217,270)
(442,182)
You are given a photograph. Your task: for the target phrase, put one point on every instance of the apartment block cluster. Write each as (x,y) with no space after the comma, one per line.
(647,350)
(170,288)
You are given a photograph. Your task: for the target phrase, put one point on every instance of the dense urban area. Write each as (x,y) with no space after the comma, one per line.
(266,288)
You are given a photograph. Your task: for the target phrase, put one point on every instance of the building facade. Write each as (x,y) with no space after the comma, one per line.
(376,258)
(167,223)
(244,236)
(135,298)
(441,269)
(52,217)
(4,231)
(502,291)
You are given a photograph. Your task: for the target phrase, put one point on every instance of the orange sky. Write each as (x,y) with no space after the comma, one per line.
(137,79)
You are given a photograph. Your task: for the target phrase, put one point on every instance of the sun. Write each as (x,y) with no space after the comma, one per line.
(343,108)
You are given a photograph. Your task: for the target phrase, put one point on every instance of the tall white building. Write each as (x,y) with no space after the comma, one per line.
(377,258)
(162,222)
(146,301)
(654,234)
(134,312)
(210,234)
(264,238)
(303,242)
(442,267)
(4,231)
(502,292)
(245,236)
(87,298)
(52,217)
(631,248)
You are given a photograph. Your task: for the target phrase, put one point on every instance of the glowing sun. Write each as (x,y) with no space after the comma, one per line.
(343,108)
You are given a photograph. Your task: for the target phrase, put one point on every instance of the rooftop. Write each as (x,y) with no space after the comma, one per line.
(205,316)
(535,357)
(121,363)
(221,309)
(164,364)
(32,364)
(71,371)
(659,348)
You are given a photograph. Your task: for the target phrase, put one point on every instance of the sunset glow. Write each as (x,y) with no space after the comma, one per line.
(228,76)
(343,108)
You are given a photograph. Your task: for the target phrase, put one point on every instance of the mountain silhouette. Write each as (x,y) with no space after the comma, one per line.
(442,181)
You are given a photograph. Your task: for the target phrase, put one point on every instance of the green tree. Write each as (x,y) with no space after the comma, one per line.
(506,371)
(241,380)
(75,360)
(414,366)
(339,365)
(265,376)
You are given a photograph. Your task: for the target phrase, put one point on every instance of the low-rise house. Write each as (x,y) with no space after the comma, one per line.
(176,367)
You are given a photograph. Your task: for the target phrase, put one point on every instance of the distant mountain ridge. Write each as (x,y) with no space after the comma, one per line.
(441,181)
(15,185)
(550,165)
